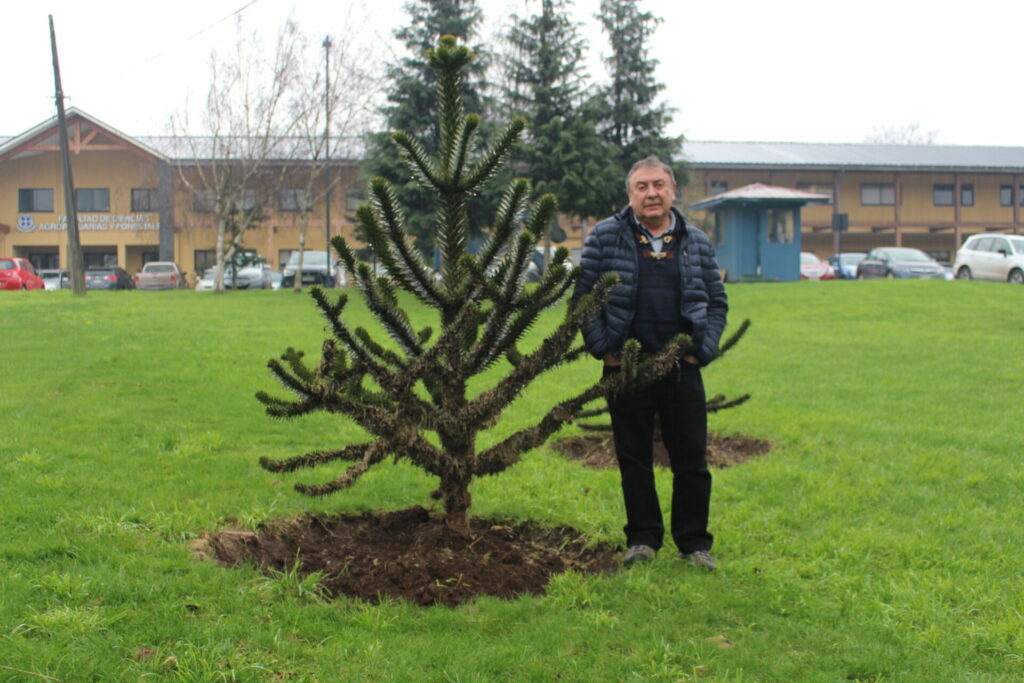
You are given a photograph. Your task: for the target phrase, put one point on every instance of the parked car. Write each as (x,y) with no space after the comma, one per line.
(813,268)
(993,256)
(18,273)
(108,277)
(55,278)
(250,277)
(314,271)
(899,262)
(844,265)
(160,275)
(535,268)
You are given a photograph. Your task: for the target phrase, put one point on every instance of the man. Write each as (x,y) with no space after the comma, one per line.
(669,283)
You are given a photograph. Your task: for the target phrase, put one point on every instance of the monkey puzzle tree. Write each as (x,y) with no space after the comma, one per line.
(412,396)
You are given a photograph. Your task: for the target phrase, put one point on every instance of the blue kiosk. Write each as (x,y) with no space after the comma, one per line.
(757,231)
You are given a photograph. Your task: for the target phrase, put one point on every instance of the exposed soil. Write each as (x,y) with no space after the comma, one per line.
(412,555)
(597,450)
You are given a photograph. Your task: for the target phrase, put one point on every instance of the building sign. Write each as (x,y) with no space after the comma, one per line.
(128,222)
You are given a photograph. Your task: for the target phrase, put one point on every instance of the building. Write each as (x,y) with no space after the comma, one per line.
(931,197)
(138,200)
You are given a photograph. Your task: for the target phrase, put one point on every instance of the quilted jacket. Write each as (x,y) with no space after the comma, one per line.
(611,248)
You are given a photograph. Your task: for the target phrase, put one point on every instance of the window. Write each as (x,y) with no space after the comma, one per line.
(40,201)
(718,187)
(204,201)
(204,259)
(942,195)
(92,199)
(144,199)
(967,195)
(818,188)
(248,202)
(148,256)
(354,196)
(998,243)
(780,226)
(100,259)
(877,194)
(294,199)
(1006,195)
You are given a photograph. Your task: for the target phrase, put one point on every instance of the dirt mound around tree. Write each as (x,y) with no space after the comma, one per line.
(412,555)
(598,451)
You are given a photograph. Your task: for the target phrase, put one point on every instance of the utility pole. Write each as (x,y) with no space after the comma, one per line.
(76,262)
(327,154)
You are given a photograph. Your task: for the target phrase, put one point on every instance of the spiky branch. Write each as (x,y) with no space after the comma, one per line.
(411,393)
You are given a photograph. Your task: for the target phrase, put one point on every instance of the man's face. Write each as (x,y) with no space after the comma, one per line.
(651,192)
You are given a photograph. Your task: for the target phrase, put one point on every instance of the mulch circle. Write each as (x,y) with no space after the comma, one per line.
(597,450)
(412,555)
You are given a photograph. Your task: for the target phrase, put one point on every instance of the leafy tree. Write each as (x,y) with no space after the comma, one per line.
(546,84)
(413,395)
(633,121)
(412,101)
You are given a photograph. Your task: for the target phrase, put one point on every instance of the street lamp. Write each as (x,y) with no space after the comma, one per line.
(327,153)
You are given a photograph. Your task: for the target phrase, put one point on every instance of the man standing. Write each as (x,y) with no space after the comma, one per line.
(669,283)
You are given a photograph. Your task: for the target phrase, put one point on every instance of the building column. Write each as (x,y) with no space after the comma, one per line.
(122,256)
(897,189)
(165,203)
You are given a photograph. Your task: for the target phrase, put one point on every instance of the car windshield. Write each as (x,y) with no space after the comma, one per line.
(6,264)
(808,259)
(153,268)
(912,255)
(49,274)
(852,259)
(310,258)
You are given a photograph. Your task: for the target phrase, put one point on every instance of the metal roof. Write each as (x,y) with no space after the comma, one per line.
(759,192)
(851,155)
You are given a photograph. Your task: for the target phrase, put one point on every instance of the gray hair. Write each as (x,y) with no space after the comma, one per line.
(650,162)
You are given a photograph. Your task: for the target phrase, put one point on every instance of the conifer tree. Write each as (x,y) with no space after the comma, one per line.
(547,85)
(411,103)
(413,395)
(633,121)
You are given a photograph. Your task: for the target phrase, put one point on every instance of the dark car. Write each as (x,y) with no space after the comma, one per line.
(899,262)
(108,277)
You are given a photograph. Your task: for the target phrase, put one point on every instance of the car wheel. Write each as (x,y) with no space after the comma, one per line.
(964,273)
(860,276)
(1016,276)
(24,288)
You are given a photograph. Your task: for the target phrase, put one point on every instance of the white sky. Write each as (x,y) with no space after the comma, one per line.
(788,70)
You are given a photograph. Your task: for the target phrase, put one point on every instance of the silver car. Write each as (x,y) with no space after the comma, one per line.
(991,256)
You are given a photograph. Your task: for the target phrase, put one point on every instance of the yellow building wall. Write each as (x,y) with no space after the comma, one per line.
(120,230)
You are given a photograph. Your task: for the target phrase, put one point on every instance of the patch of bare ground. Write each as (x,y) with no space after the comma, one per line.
(412,555)
(597,450)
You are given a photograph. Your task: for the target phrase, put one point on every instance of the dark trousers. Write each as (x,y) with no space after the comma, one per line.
(680,404)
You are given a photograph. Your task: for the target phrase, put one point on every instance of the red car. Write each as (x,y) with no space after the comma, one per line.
(17,273)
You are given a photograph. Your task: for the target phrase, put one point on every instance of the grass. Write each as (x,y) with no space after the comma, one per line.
(879,540)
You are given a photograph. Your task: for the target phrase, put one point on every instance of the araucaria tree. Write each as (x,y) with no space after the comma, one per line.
(412,396)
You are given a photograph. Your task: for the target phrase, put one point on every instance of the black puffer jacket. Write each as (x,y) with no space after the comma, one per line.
(611,248)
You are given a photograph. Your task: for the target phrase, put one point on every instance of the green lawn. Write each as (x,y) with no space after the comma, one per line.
(879,540)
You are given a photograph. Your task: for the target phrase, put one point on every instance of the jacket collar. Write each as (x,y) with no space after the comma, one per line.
(627,219)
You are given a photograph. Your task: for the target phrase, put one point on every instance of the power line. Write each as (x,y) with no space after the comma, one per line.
(208,28)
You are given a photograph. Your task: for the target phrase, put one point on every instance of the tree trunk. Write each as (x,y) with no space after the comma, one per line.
(455,494)
(219,281)
(297,285)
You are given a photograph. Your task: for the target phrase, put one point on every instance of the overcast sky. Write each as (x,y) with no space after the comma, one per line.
(788,70)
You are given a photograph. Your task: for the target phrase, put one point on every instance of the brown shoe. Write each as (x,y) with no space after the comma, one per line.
(700,558)
(638,553)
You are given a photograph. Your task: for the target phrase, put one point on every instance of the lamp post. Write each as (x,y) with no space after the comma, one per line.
(327,154)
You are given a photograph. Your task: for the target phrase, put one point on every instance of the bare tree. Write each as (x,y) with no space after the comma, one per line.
(906,134)
(333,106)
(240,155)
